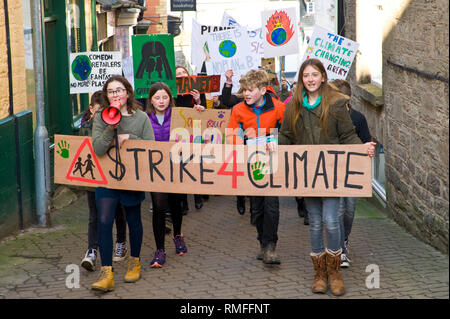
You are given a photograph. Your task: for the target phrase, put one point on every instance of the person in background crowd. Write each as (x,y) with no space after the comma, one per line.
(160,103)
(197,101)
(135,125)
(99,101)
(317,115)
(347,204)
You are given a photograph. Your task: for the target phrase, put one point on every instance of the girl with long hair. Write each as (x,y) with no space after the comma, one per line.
(317,114)
(159,108)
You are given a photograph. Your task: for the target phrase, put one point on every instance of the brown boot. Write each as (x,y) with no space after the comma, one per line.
(320,269)
(270,256)
(334,272)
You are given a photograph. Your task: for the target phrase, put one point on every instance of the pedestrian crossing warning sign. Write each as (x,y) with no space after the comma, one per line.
(85,166)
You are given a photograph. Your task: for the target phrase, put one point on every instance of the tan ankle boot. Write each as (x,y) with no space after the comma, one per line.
(106,281)
(334,272)
(320,276)
(134,270)
(320,270)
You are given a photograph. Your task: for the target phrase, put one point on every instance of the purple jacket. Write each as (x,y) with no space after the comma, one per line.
(162,132)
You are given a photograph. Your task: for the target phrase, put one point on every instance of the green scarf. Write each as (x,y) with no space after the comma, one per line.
(309,106)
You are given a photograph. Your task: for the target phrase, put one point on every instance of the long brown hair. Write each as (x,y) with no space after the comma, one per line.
(295,105)
(155,88)
(132,104)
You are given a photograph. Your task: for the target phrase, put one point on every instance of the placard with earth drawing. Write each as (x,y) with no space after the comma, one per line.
(90,70)
(230,49)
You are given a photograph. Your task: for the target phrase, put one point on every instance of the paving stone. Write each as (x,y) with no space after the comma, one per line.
(221,260)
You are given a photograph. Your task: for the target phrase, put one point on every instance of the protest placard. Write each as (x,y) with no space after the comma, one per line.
(199,46)
(201,83)
(336,52)
(280,32)
(190,126)
(230,49)
(90,70)
(153,61)
(218,169)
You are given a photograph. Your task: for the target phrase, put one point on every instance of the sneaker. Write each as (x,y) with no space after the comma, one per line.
(345,261)
(180,246)
(346,246)
(121,251)
(89,260)
(159,260)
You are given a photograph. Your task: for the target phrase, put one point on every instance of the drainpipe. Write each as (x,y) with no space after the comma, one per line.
(41,141)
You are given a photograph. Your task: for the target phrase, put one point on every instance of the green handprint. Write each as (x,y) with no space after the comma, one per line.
(64,149)
(257,170)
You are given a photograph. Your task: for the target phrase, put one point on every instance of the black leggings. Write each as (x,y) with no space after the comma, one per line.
(106,208)
(166,203)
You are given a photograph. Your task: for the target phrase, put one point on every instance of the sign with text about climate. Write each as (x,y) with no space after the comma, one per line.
(336,52)
(90,70)
(217,169)
(190,126)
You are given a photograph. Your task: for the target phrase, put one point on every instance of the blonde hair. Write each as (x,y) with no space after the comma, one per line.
(254,78)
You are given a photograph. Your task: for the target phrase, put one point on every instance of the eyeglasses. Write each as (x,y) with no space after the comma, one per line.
(118,91)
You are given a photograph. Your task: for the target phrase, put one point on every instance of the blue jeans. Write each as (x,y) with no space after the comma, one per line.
(346,216)
(324,210)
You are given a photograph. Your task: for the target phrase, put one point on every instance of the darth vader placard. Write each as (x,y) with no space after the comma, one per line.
(153,61)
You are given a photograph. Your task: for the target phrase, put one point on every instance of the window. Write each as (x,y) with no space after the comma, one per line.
(378,175)
(310,7)
(369,31)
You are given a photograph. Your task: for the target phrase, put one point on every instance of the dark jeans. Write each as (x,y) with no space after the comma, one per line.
(121,225)
(265,215)
(106,207)
(166,203)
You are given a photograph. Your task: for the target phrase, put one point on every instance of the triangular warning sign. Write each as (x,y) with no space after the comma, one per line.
(85,169)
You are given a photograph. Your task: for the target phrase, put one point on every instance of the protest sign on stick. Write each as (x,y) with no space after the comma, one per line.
(90,70)
(219,169)
(230,49)
(280,32)
(201,83)
(153,61)
(336,52)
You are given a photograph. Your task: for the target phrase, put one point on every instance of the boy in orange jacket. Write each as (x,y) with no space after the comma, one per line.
(250,120)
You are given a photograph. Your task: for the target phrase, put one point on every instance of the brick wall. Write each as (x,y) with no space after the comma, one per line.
(413,123)
(156,13)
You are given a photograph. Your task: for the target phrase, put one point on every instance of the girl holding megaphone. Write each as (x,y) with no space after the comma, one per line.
(122,121)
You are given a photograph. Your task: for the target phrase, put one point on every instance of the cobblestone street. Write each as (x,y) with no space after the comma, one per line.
(221,259)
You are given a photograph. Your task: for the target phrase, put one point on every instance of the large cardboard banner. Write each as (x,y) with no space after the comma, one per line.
(280,32)
(90,70)
(153,61)
(336,52)
(230,49)
(306,170)
(201,83)
(190,126)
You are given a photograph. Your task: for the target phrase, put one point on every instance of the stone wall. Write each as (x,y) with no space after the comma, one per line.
(413,123)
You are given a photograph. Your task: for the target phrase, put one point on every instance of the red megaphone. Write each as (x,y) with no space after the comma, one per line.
(111,115)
